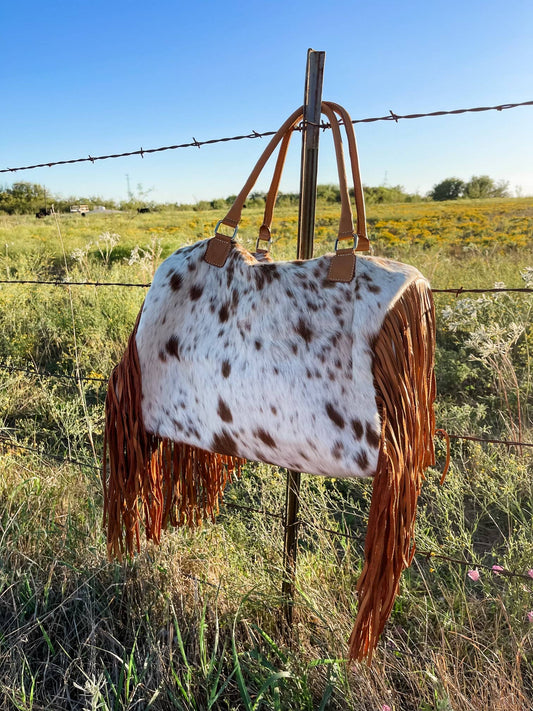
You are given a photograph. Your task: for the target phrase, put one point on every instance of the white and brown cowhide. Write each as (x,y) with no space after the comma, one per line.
(268,361)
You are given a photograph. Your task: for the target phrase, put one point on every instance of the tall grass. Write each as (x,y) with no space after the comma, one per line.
(196,622)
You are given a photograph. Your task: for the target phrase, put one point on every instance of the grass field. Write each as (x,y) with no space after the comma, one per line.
(196,623)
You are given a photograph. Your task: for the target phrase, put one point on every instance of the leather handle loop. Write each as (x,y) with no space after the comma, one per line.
(283,135)
(346,226)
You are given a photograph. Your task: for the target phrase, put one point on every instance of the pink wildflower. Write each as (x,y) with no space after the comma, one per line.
(497,569)
(530,573)
(474,575)
(530,616)
(386,707)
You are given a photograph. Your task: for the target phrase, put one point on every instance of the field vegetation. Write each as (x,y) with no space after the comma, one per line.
(196,622)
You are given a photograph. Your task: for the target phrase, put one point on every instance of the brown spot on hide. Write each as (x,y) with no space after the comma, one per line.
(226,368)
(176,281)
(258,345)
(357,428)
(270,271)
(173,347)
(372,437)
(224,443)
(336,450)
(223,313)
(230,269)
(362,459)
(162,356)
(294,349)
(259,278)
(265,437)
(196,291)
(303,329)
(223,411)
(274,410)
(374,288)
(334,415)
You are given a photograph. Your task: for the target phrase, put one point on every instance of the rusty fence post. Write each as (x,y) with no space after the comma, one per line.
(306,228)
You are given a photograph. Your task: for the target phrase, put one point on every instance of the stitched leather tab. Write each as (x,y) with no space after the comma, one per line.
(363,244)
(218,250)
(342,266)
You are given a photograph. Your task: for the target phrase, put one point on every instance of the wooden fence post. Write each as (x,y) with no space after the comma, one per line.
(306,228)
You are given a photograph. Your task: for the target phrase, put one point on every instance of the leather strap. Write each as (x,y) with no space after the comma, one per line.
(363,243)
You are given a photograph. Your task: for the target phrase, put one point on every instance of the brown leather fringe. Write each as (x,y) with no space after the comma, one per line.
(151,479)
(404,377)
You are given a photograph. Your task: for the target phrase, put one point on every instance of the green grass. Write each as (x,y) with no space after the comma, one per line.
(196,622)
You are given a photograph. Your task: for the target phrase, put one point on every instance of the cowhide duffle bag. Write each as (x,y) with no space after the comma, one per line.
(323,366)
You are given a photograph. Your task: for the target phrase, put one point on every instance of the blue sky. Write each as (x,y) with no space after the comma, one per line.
(93,78)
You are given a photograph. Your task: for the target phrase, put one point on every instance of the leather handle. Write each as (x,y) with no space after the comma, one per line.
(347,227)
(220,245)
(363,243)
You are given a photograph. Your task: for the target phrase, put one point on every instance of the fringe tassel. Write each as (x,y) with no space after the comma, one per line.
(150,478)
(404,377)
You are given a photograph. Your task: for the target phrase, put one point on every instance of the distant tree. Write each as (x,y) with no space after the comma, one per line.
(22,198)
(482,186)
(449,189)
(328,193)
(256,199)
(387,194)
(286,199)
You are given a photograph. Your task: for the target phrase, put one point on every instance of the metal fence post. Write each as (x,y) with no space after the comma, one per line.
(306,227)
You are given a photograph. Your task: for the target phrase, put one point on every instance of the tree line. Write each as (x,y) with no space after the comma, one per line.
(27,198)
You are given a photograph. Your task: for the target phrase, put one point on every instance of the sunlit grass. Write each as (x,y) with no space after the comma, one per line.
(197,622)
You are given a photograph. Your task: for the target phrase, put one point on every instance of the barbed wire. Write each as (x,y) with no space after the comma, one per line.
(58,282)
(391,116)
(508,443)
(494,290)
(428,554)
(8,442)
(457,291)
(45,374)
